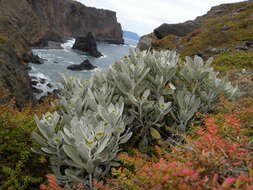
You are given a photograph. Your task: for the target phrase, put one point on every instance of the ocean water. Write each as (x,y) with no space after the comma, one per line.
(57,61)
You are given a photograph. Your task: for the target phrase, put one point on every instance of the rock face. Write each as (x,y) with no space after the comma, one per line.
(85,65)
(14,76)
(73,19)
(87,44)
(181,29)
(28,23)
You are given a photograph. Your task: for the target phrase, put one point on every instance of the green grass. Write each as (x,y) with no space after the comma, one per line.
(233,61)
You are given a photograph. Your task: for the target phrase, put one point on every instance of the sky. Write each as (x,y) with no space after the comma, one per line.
(143,16)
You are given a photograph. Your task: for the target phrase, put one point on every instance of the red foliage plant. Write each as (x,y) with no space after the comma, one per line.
(219,158)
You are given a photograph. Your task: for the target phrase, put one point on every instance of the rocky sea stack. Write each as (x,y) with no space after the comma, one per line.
(85,65)
(87,44)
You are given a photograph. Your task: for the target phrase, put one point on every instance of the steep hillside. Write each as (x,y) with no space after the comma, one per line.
(226,31)
(27,23)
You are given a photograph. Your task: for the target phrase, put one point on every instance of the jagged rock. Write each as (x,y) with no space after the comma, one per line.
(249,43)
(49,85)
(85,65)
(211,51)
(34,83)
(42,80)
(181,29)
(246,46)
(144,43)
(31,58)
(36,90)
(87,44)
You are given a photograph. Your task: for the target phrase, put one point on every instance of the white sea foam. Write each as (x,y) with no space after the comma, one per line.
(44,86)
(68,45)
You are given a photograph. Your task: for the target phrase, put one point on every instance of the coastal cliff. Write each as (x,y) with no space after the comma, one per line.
(28,23)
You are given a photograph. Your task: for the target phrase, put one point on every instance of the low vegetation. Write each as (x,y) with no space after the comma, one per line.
(147,98)
(20,169)
(233,61)
(218,155)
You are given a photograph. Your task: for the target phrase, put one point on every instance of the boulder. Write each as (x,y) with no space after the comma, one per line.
(249,43)
(211,51)
(85,65)
(180,29)
(145,43)
(87,44)
(31,58)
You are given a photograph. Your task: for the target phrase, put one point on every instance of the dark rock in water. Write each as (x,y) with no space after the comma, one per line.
(85,65)
(31,58)
(87,44)
(49,85)
(34,83)
(42,80)
(36,90)
(56,62)
(180,29)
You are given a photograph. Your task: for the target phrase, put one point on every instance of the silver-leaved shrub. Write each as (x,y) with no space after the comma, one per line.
(146,93)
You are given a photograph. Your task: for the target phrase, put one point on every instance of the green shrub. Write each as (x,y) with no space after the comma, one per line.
(144,92)
(20,169)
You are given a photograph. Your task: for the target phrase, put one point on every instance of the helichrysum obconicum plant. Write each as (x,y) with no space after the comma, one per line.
(144,94)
